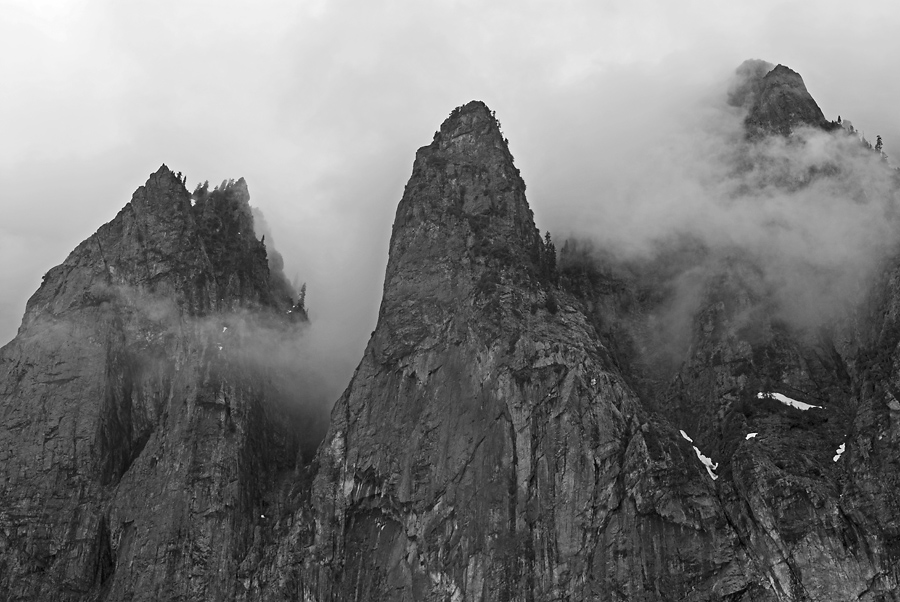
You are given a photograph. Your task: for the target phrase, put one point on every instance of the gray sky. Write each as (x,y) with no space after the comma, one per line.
(321,105)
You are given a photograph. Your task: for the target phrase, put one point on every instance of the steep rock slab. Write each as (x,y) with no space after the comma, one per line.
(870,492)
(134,440)
(819,525)
(486,449)
(786,490)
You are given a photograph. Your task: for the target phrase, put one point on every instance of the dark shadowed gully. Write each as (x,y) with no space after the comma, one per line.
(664,428)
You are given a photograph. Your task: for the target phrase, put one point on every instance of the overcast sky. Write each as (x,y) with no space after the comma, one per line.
(321,105)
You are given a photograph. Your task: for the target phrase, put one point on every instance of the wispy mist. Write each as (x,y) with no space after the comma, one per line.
(291,358)
(283,356)
(815,214)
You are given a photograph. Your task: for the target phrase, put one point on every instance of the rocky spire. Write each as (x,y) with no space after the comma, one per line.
(781,103)
(135,421)
(466,181)
(486,407)
(463,220)
(199,252)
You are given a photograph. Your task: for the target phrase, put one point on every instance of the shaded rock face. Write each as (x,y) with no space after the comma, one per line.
(778,101)
(785,495)
(138,441)
(487,447)
(492,448)
(818,524)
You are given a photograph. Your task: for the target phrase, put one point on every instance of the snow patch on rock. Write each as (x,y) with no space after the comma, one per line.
(707,461)
(788,401)
(838,452)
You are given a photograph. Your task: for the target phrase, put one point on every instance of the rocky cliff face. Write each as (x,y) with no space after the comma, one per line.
(512,432)
(784,487)
(487,447)
(138,439)
(796,484)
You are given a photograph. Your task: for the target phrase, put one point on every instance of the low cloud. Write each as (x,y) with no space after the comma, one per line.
(285,357)
(805,222)
(288,356)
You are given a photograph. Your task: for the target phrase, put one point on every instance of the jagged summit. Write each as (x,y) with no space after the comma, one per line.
(463,218)
(471,138)
(780,103)
(469,124)
(466,179)
(161,187)
(199,251)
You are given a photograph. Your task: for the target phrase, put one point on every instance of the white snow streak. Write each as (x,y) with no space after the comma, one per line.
(838,452)
(787,401)
(707,462)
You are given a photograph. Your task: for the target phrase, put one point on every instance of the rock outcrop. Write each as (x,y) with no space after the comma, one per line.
(487,447)
(797,485)
(804,513)
(138,441)
(413,471)
(780,102)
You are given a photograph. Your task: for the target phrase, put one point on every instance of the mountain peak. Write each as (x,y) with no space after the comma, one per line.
(165,179)
(463,213)
(783,71)
(779,102)
(199,251)
(465,183)
(472,116)
(470,135)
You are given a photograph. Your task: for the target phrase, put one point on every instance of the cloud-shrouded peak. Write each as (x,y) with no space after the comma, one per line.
(782,104)
(747,82)
(775,98)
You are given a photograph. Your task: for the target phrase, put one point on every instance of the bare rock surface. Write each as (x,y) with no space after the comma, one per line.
(135,444)
(487,448)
